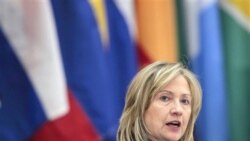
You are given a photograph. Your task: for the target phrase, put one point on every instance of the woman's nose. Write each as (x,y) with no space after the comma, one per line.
(176,109)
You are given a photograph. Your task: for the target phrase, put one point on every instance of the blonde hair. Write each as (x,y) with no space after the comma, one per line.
(141,91)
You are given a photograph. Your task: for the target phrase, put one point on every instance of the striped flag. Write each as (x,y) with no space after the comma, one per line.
(36,103)
(205,49)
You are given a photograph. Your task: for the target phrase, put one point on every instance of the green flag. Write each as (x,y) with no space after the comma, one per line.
(236,37)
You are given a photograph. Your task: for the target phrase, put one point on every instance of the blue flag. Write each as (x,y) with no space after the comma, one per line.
(209,66)
(98,74)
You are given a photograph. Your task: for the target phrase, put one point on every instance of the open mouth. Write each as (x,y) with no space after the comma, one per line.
(175,124)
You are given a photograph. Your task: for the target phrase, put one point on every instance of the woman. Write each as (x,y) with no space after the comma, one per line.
(162,104)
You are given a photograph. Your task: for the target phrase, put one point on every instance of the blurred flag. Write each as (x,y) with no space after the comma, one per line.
(35,101)
(235,15)
(121,53)
(205,49)
(156,35)
(121,58)
(181,35)
(127,10)
(99,10)
(98,71)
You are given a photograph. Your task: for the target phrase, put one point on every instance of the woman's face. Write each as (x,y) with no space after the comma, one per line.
(168,114)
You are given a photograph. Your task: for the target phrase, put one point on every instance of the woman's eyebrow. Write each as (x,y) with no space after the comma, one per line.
(166,91)
(171,93)
(187,95)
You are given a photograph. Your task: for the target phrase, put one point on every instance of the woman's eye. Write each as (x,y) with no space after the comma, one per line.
(164,98)
(185,101)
